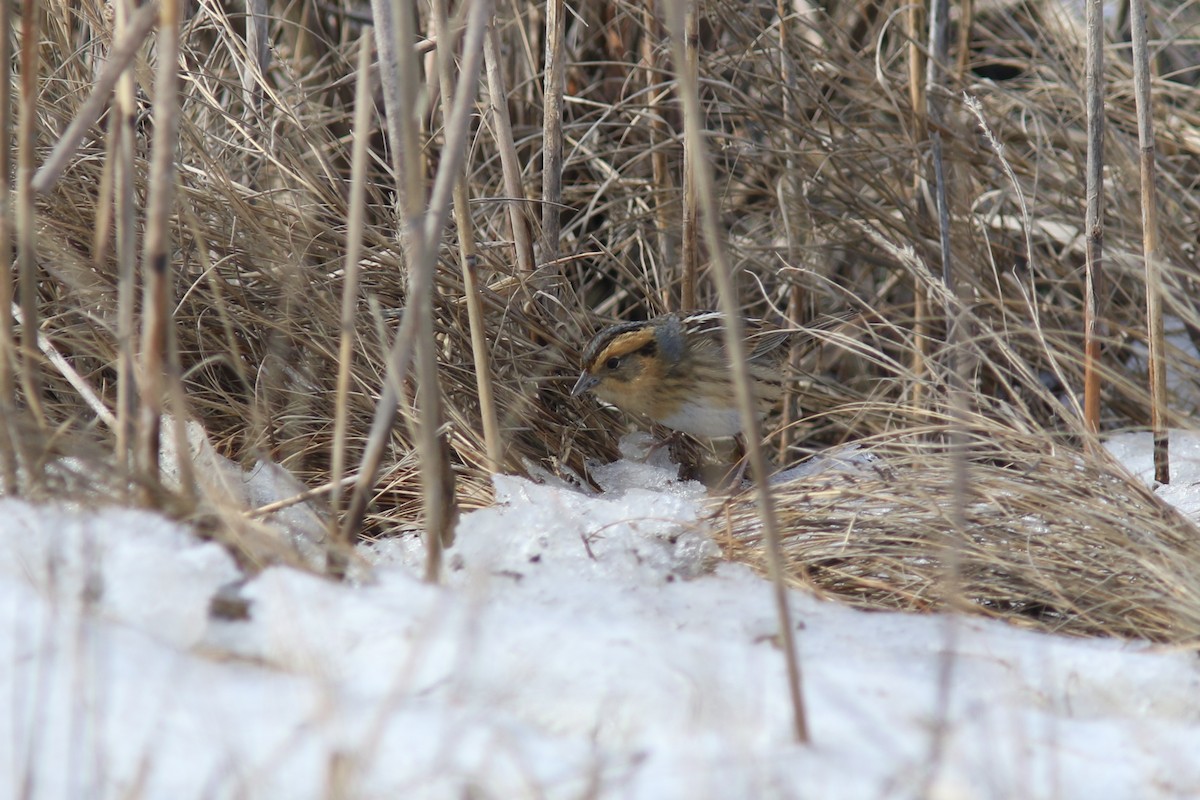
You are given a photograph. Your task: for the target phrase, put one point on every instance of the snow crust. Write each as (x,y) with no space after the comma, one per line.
(580,646)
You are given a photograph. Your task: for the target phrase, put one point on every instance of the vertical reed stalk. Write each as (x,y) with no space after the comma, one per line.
(258,59)
(966,18)
(660,174)
(422,228)
(422,262)
(1154,319)
(389,46)
(156,304)
(1093,313)
(958,443)
(26,214)
(552,137)
(509,163)
(178,417)
(8,355)
(791,412)
(687,60)
(106,210)
(469,256)
(125,213)
(789,197)
(920,123)
(104,192)
(363,106)
(689,90)
(916,67)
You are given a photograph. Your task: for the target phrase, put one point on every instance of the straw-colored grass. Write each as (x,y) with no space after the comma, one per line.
(1051,540)
(818,163)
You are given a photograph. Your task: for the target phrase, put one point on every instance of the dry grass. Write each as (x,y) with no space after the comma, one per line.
(1051,540)
(815,156)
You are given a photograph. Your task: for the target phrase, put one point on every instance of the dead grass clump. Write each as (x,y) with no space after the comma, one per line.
(1052,540)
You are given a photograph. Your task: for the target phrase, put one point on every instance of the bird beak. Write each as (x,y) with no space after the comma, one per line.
(585,382)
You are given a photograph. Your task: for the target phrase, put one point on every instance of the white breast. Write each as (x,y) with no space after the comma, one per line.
(705,420)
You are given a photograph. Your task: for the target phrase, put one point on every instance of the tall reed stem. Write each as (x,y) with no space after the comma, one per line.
(363,106)
(27,278)
(156,303)
(422,225)
(1154,315)
(552,134)
(689,90)
(8,352)
(1094,216)
(468,255)
(687,62)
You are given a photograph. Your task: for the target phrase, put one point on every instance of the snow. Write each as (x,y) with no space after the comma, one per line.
(1134,450)
(580,646)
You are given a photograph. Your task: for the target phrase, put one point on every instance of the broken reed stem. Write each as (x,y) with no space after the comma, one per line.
(1154,320)
(363,108)
(468,255)
(308,494)
(156,302)
(735,344)
(510,165)
(1094,218)
(8,355)
(688,62)
(26,213)
(552,136)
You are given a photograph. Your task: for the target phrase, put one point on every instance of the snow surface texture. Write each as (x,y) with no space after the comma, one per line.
(581,647)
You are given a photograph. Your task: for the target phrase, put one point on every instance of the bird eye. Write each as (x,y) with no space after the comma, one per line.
(613,363)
